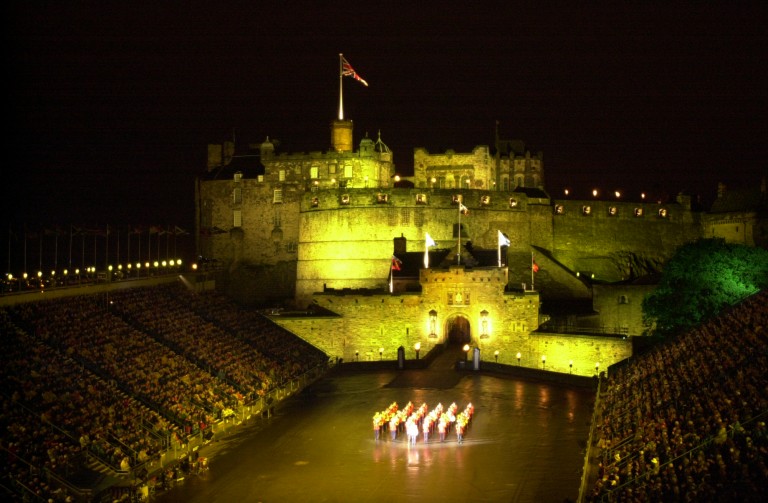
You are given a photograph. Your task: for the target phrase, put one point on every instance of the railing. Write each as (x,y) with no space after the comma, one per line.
(568,328)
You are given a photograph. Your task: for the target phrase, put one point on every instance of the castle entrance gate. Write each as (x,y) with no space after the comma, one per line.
(458,330)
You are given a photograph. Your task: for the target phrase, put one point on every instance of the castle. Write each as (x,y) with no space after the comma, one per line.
(343,236)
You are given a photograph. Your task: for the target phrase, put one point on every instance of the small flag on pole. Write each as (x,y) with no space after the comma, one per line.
(396,263)
(463,209)
(429,242)
(348,71)
(503,240)
(534,265)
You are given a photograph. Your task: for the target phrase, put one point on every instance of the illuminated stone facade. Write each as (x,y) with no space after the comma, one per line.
(321,228)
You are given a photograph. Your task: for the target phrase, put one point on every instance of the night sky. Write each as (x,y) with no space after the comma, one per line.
(112,104)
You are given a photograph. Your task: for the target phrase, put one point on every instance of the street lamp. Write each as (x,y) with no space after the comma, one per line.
(357,355)
(496,355)
(381,353)
(518,358)
(417,347)
(570,364)
(597,368)
(466,352)
(544,362)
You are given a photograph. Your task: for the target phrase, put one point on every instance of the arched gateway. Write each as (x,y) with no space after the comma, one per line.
(458,331)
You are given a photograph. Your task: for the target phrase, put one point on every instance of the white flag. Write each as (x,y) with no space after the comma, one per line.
(430,241)
(503,240)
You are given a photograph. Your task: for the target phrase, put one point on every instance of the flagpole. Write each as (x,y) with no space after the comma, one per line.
(498,250)
(532,273)
(9,247)
(25,247)
(458,244)
(70,245)
(341,88)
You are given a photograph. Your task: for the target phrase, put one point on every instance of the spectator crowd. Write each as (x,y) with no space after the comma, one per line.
(686,421)
(120,378)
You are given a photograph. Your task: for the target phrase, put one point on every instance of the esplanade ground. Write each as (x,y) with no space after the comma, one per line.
(526,443)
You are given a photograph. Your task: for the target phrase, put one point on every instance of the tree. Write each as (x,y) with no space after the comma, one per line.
(702,279)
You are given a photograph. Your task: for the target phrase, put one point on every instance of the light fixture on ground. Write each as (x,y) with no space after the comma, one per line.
(496,355)
(570,364)
(597,368)
(466,352)
(518,358)
(544,362)
(417,347)
(381,353)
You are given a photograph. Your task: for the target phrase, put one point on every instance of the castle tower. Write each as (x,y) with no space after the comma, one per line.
(341,135)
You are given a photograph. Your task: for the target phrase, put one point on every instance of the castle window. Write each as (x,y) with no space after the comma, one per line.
(345,199)
(405,217)
(418,217)
(348,171)
(315,202)
(237,218)
(512,202)
(638,212)
(421,199)
(612,211)
(260,178)
(332,169)
(392,216)
(663,213)
(237,195)
(559,209)
(238,176)
(485,200)
(314,172)
(277,196)
(505,183)
(586,210)
(281,175)
(382,198)
(623,299)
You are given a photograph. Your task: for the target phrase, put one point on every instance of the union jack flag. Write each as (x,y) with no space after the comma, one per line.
(348,71)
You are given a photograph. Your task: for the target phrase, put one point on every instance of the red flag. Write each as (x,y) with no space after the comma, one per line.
(348,71)
(534,265)
(396,262)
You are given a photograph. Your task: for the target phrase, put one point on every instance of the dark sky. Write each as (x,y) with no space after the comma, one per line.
(112,104)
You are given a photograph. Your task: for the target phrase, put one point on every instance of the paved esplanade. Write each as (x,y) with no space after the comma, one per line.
(525,444)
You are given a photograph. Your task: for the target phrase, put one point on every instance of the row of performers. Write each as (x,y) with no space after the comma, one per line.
(412,421)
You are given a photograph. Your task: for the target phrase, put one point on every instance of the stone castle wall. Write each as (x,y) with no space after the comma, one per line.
(365,324)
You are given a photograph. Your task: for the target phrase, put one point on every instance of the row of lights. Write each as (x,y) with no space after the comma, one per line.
(416,346)
(92,269)
(596,192)
(466,349)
